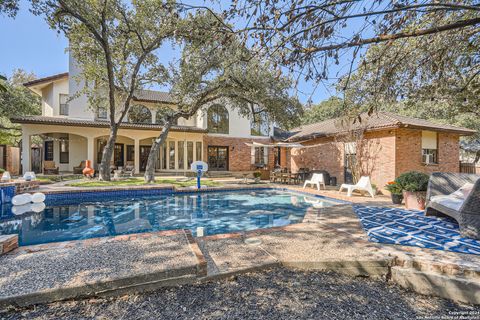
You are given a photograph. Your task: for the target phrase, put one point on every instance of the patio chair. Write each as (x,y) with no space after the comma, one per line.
(129,169)
(49,167)
(79,169)
(363,184)
(317,179)
(456,195)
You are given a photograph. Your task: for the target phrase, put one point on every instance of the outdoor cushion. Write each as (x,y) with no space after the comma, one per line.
(450,201)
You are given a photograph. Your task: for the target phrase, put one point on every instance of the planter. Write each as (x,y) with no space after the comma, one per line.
(397,198)
(415,200)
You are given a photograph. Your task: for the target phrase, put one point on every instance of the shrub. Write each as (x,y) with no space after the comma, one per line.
(394,187)
(257,174)
(413,181)
(2,170)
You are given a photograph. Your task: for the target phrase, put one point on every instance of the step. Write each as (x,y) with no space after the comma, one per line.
(458,288)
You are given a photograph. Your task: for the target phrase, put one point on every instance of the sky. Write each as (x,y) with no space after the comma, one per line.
(28,43)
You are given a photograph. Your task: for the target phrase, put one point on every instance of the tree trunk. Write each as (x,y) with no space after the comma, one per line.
(107,153)
(153,155)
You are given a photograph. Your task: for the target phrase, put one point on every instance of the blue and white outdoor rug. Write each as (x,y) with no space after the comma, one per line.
(413,228)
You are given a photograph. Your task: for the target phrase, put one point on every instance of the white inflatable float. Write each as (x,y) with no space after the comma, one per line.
(22,203)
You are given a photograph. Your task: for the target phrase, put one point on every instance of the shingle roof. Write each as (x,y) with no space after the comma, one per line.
(140,95)
(99,123)
(46,79)
(152,96)
(377,121)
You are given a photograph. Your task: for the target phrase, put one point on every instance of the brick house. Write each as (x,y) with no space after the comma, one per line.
(384,144)
(71,131)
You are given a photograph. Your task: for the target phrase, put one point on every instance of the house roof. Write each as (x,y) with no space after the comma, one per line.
(377,121)
(46,79)
(98,123)
(152,96)
(140,95)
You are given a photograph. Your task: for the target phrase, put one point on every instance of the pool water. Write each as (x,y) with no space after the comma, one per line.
(203,213)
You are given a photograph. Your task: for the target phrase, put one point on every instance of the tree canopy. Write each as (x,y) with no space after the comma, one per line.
(16,100)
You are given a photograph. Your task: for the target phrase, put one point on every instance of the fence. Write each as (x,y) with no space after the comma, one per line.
(469,168)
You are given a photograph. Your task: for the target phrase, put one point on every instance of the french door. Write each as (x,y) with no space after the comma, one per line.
(217,158)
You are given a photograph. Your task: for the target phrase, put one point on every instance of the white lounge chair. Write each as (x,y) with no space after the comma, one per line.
(363,184)
(317,179)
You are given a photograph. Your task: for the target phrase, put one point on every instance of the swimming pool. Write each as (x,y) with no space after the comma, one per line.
(204,213)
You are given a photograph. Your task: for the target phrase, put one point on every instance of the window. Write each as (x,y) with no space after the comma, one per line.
(164,155)
(100,146)
(198,151)
(429,147)
(48,150)
(130,153)
(189,154)
(259,156)
(63,104)
(171,155)
(64,150)
(139,114)
(102,113)
(217,119)
(181,155)
(259,125)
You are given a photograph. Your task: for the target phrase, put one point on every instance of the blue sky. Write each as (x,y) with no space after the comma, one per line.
(28,43)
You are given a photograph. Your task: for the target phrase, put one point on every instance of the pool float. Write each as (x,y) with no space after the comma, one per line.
(21,199)
(38,197)
(19,210)
(38,207)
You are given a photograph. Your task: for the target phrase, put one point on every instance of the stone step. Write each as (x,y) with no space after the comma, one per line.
(458,288)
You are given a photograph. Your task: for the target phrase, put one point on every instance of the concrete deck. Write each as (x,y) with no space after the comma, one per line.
(83,268)
(328,239)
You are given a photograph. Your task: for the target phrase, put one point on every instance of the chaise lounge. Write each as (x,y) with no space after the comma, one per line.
(456,195)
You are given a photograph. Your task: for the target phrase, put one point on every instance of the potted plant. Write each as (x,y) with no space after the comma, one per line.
(257,174)
(396,192)
(414,185)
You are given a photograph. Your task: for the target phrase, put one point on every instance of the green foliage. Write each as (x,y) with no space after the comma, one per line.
(9,7)
(2,170)
(257,174)
(333,107)
(413,181)
(16,100)
(394,187)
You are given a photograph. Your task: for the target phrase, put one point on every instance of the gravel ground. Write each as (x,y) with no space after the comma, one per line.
(274,294)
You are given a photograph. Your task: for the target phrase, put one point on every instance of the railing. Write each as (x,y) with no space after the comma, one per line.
(469,168)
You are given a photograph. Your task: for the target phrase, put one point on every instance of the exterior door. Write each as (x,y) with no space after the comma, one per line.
(144,152)
(118,154)
(350,160)
(217,158)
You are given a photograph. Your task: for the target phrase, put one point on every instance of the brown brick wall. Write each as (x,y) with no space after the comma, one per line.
(239,154)
(323,154)
(409,152)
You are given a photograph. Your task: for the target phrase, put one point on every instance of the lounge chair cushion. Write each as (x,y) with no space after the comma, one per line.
(450,201)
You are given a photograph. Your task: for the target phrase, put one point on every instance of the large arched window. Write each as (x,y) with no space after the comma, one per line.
(217,116)
(139,114)
(259,125)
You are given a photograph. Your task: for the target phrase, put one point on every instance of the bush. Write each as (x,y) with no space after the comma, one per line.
(394,187)
(413,181)
(2,170)
(257,174)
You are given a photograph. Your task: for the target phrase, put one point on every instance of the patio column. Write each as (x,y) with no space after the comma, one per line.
(26,150)
(90,149)
(137,155)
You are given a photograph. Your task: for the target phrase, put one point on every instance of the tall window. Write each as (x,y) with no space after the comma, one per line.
(171,155)
(259,156)
(259,125)
(429,147)
(63,104)
(64,150)
(48,150)
(139,114)
(198,151)
(181,155)
(189,154)
(102,113)
(217,119)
